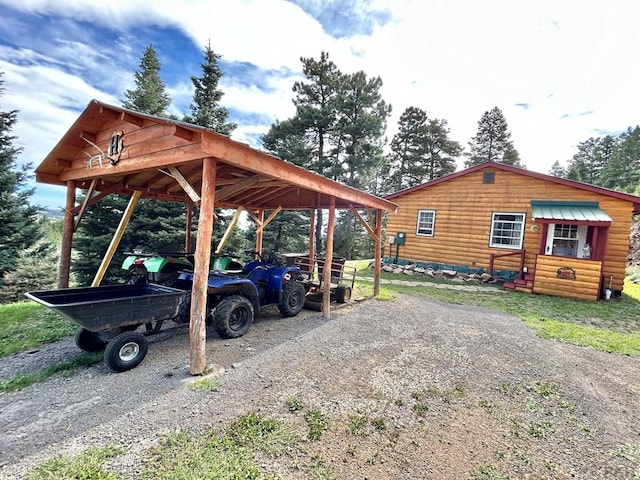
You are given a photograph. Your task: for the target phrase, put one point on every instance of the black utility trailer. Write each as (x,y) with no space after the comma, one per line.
(108,317)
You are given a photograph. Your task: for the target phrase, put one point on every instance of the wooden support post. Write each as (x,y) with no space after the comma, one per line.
(328,260)
(197,324)
(378,254)
(312,243)
(264,223)
(229,231)
(188,227)
(115,241)
(64,264)
(259,232)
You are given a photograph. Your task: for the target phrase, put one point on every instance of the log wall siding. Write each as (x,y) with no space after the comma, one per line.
(586,285)
(464,208)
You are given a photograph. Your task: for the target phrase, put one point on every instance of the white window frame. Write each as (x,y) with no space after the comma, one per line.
(557,232)
(492,238)
(425,231)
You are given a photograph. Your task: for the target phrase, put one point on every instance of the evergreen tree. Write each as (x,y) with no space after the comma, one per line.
(492,141)
(155,226)
(361,122)
(622,171)
(150,94)
(588,164)
(408,151)
(420,151)
(357,147)
(32,272)
(18,226)
(315,102)
(206,110)
(557,170)
(441,151)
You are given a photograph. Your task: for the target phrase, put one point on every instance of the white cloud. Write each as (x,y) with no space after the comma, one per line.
(454,58)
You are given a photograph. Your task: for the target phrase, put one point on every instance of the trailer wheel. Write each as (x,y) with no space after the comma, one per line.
(233,316)
(89,341)
(343,294)
(126,351)
(293,296)
(184,312)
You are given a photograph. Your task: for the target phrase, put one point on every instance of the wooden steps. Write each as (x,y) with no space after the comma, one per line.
(524,285)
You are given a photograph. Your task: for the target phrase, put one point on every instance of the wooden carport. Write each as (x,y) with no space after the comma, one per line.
(111,150)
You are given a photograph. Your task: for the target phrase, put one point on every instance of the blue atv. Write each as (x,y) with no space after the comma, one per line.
(235,298)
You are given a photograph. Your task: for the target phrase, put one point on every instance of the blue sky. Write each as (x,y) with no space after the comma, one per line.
(561,72)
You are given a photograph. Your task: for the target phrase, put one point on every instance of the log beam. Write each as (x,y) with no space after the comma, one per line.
(115,241)
(229,231)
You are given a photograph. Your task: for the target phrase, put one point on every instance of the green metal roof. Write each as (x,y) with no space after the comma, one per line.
(570,211)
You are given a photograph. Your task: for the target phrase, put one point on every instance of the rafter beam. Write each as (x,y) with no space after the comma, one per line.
(174,173)
(236,187)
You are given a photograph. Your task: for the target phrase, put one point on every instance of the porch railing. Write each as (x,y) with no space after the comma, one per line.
(520,253)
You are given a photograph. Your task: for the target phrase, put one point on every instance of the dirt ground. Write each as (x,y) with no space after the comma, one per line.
(457,392)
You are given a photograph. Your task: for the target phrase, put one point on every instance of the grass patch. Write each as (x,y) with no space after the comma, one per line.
(611,326)
(317,422)
(488,472)
(22,381)
(205,384)
(226,455)
(26,325)
(89,465)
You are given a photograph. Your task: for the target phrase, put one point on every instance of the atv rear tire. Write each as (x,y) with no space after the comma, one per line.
(233,316)
(293,296)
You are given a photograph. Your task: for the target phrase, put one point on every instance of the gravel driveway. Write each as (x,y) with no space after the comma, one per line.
(461,389)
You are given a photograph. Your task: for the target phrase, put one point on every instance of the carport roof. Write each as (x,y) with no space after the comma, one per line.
(163,158)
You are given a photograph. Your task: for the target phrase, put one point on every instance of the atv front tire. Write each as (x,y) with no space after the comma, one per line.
(233,316)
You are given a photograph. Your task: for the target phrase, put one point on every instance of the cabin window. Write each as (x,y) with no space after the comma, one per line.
(488,177)
(426,222)
(566,240)
(507,230)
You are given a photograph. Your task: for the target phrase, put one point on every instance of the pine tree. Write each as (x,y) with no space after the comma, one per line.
(441,151)
(361,122)
(18,226)
(558,170)
(33,271)
(408,151)
(622,171)
(155,226)
(150,95)
(315,111)
(420,151)
(206,110)
(492,142)
(588,164)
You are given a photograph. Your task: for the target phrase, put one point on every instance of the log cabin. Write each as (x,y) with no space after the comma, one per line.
(536,232)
